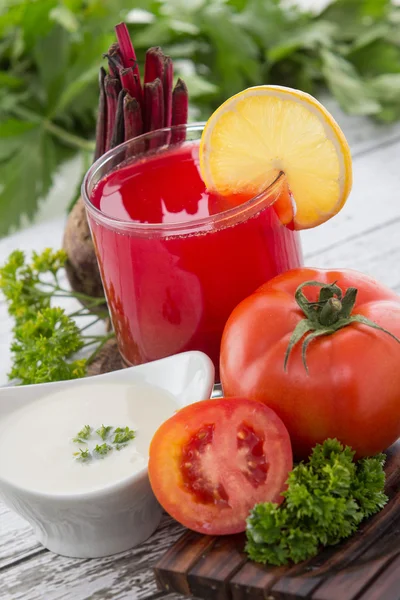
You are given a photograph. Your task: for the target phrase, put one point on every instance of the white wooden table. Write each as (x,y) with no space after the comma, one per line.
(364,236)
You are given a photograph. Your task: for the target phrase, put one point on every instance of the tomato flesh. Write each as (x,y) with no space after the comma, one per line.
(192,471)
(251,444)
(213,460)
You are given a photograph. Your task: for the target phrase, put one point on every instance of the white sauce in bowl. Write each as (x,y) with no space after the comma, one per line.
(36,447)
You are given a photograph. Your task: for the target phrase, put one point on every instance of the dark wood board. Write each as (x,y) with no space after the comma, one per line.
(364,567)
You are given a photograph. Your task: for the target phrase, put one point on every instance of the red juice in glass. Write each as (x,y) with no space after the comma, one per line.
(175,260)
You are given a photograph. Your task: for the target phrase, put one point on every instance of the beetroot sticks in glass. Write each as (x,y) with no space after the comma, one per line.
(128,108)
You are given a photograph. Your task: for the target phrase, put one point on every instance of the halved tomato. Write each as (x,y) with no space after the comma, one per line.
(212,461)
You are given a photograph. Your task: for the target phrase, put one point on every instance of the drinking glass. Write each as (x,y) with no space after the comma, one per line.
(170,287)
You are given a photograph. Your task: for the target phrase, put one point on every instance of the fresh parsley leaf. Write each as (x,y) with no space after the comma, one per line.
(326,500)
(83,435)
(82,454)
(103,449)
(42,347)
(123,435)
(45,337)
(104,431)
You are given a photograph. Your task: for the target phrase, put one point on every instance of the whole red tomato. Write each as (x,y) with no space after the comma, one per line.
(342,381)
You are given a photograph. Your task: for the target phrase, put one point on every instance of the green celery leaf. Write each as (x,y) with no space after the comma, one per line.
(65,17)
(198,86)
(51,54)
(76,88)
(9,80)
(372,34)
(355,16)
(12,136)
(386,88)
(311,36)
(389,114)
(269,23)
(236,63)
(79,97)
(31,17)
(347,86)
(159,30)
(378,58)
(26,177)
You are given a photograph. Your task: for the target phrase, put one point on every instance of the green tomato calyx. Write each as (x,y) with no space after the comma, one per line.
(330,313)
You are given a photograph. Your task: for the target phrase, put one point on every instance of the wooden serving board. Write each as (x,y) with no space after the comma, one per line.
(364,567)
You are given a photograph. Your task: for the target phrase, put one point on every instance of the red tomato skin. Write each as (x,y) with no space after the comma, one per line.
(166,477)
(352,389)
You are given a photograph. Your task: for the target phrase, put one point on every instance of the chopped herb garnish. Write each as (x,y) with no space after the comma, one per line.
(103,449)
(123,435)
(104,431)
(83,435)
(113,438)
(82,454)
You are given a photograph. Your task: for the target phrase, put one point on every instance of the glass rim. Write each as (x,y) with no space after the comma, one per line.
(178,226)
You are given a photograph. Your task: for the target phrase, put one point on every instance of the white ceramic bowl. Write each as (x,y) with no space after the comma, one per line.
(104,522)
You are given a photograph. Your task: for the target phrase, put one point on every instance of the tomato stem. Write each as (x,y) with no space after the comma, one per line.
(330,313)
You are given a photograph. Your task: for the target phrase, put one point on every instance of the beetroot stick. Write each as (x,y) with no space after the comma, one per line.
(128,81)
(180,103)
(114,60)
(101,124)
(154,65)
(154,105)
(132,118)
(168,77)
(119,128)
(180,106)
(128,55)
(112,88)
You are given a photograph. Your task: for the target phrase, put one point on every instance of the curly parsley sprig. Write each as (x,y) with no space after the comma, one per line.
(46,338)
(326,500)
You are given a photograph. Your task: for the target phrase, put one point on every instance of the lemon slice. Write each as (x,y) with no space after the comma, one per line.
(267,129)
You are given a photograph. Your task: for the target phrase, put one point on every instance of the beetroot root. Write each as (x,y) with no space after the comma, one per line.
(108,359)
(81,267)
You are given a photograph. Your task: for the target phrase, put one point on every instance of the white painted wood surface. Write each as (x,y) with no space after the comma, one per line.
(365,236)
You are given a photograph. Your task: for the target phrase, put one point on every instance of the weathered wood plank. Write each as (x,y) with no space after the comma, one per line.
(127,575)
(375,252)
(362,133)
(16,538)
(209,578)
(373,202)
(386,587)
(181,562)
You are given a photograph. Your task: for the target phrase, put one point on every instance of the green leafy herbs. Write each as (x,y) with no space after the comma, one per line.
(123,435)
(113,438)
(326,500)
(102,449)
(83,435)
(46,338)
(82,454)
(104,431)
(51,50)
